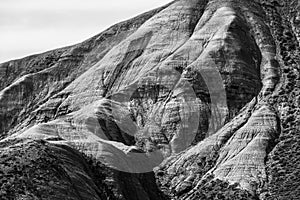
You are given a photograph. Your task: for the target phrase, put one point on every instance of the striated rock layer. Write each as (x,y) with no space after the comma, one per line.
(198,99)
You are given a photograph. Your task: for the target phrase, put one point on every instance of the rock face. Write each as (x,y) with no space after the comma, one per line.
(198,99)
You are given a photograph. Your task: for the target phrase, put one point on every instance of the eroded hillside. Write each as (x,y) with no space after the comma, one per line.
(198,99)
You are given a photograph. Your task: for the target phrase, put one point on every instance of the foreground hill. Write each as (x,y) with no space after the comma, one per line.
(194,100)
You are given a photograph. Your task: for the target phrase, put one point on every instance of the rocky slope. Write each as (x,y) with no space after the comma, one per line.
(198,99)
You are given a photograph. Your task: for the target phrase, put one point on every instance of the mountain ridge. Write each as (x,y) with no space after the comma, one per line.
(195,99)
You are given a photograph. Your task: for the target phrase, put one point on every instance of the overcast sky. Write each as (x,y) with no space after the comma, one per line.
(35,26)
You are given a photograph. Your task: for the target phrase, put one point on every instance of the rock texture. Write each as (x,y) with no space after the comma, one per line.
(198,99)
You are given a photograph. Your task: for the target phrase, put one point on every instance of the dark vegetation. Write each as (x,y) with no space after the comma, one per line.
(215,189)
(283,165)
(30,171)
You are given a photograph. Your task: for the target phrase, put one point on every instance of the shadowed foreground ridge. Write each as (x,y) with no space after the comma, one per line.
(198,99)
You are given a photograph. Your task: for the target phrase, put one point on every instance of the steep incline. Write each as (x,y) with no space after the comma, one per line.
(49,73)
(198,99)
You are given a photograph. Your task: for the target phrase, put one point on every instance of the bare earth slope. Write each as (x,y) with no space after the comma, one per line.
(198,99)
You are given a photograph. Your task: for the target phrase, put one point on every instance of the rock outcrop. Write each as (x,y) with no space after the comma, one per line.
(198,99)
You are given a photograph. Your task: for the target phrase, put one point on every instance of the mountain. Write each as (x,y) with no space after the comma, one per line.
(198,99)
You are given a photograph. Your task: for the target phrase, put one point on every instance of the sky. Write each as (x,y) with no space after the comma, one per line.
(35,26)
